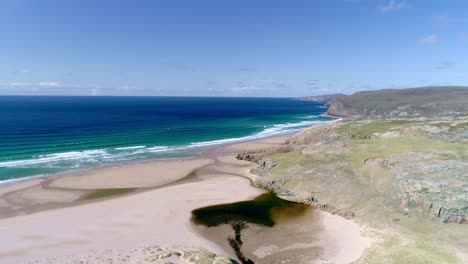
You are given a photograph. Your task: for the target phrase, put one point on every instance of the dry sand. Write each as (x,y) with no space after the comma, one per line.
(156,216)
(160,217)
(148,174)
(257,144)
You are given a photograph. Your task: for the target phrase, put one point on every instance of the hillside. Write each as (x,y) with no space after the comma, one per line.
(321,98)
(398,164)
(424,101)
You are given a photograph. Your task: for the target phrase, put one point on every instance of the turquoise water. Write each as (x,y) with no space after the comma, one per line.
(45,135)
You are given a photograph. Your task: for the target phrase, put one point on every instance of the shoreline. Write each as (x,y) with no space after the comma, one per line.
(44,181)
(209,152)
(214,177)
(193,150)
(196,152)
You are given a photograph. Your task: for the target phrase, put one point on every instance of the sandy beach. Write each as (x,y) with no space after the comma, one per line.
(46,220)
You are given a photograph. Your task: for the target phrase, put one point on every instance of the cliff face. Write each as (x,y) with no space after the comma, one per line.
(413,102)
(337,108)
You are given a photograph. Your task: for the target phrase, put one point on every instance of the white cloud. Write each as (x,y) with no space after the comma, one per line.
(246,89)
(49,84)
(55,88)
(40,84)
(429,39)
(393,5)
(257,86)
(95,91)
(14,84)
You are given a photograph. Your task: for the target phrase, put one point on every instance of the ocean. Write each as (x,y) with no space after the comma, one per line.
(42,135)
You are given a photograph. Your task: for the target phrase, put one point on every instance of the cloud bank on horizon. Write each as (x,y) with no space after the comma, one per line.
(235,48)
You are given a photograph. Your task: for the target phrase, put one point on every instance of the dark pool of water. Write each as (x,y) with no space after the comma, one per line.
(266,209)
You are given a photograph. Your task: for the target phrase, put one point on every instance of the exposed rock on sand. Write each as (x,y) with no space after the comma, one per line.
(143,254)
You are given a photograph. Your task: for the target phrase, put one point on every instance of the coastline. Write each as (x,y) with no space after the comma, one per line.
(163,208)
(70,177)
(64,152)
(194,153)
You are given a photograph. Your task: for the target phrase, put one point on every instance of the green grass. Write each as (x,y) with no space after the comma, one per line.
(428,99)
(286,161)
(395,251)
(102,193)
(342,179)
(364,131)
(384,148)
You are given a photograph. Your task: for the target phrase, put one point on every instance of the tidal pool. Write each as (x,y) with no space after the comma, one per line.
(266,209)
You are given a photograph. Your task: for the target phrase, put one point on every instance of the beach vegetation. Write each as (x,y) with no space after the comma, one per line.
(103,193)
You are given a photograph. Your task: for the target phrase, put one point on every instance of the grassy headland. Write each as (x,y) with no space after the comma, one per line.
(399,165)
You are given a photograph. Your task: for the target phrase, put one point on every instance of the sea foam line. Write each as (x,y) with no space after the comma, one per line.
(277,129)
(86,154)
(134,147)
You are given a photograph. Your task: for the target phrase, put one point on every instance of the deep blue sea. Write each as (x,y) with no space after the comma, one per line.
(45,135)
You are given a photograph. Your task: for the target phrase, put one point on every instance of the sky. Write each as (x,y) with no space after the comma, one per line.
(230,48)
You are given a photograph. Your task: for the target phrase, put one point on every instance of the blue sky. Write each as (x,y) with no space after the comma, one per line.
(230,48)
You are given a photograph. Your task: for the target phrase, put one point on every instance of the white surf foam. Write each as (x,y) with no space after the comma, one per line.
(287,127)
(75,159)
(133,147)
(71,155)
(273,130)
(158,149)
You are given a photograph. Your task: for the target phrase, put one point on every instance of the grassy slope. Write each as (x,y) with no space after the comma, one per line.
(339,176)
(343,180)
(430,100)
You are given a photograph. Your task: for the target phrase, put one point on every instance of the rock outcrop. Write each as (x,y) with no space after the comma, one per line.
(438,187)
(143,254)
(257,156)
(398,162)
(414,160)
